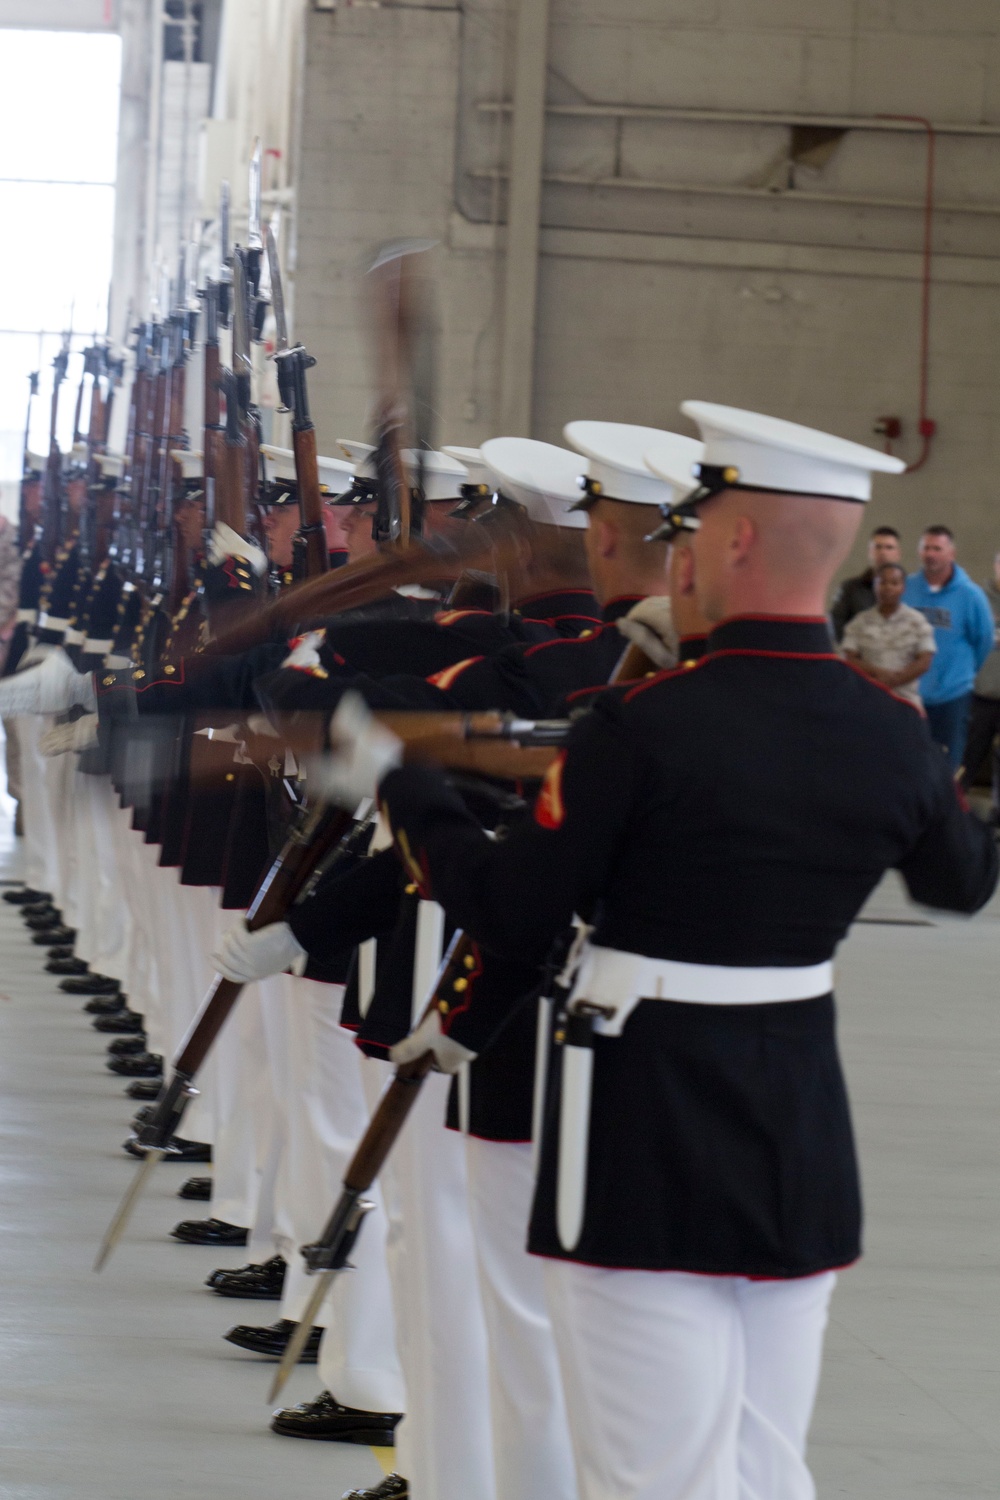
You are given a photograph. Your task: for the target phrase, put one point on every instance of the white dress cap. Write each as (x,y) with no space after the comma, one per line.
(443,474)
(111,464)
(617,466)
(538,476)
(279,464)
(360,455)
(772,454)
(675,459)
(190,461)
(36,462)
(472,458)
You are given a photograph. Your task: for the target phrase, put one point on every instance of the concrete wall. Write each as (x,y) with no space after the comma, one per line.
(680,256)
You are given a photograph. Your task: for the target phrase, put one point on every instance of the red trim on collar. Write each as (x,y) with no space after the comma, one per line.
(687,669)
(786,655)
(565,640)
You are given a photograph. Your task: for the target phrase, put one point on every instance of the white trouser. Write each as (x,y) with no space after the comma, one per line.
(271,1221)
(82,909)
(197,917)
(140,980)
(39,832)
(444,1443)
(57,774)
(683,1387)
(245,1122)
(531,1445)
(326,1115)
(105,945)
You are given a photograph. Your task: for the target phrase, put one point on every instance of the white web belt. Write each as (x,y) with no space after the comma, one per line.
(617,980)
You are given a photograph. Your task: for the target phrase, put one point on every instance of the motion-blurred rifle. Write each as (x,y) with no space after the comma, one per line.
(311,556)
(27,528)
(402,410)
(52,490)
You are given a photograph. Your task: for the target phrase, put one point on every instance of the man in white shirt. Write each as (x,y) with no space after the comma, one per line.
(892,643)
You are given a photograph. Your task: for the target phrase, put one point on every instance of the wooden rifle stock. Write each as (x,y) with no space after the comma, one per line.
(125,490)
(306,847)
(634,664)
(359,583)
(311,552)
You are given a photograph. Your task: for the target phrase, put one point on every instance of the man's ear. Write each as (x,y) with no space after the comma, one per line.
(606,537)
(742,539)
(682,570)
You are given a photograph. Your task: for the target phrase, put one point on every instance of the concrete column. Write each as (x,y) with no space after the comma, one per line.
(527,142)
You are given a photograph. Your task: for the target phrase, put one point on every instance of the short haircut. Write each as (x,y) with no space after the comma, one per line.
(939,531)
(890,567)
(885,531)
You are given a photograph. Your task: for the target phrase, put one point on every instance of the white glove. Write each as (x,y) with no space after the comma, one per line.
(244,956)
(78,736)
(52,688)
(35,655)
(225,542)
(449,1056)
(650,626)
(363,752)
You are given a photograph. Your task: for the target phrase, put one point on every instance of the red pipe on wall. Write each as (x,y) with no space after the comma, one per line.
(926,426)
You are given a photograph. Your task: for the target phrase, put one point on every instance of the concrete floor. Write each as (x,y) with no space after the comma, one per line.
(119,1387)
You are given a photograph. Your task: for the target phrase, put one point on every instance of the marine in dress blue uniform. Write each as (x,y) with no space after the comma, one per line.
(718,828)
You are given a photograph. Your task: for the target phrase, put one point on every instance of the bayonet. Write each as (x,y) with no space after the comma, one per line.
(125,1208)
(255,240)
(277,293)
(225,256)
(242,366)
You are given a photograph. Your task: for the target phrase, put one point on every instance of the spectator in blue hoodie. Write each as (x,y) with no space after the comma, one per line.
(960,615)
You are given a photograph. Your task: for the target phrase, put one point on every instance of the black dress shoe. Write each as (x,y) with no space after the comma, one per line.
(90,984)
(261,1282)
(327,1420)
(196,1189)
(55,937)
(209,1232)
(127,1046)
(393,1487)
(107,1005)
(41,909)
(64,951)
(144,1065)
(272,1341)
(177,1149)
(25,896)
(121,1022)
(46,921)
(145,1088)
(66,966)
